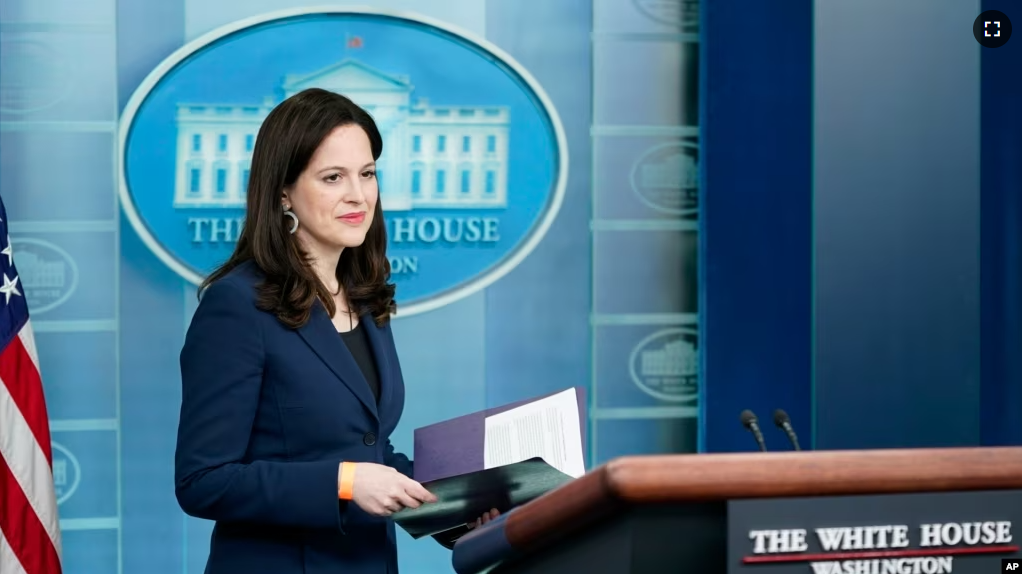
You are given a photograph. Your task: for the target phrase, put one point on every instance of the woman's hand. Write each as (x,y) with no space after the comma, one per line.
(381,491)
(486,517)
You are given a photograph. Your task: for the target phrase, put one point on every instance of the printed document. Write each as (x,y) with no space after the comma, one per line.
(549,428)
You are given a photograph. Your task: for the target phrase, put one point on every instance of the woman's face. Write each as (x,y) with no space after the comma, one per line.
(335,197)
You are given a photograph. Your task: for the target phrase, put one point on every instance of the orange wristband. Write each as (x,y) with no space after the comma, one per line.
(346,489)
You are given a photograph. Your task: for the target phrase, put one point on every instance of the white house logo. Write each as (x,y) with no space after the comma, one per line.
(33,77)
(49,274)
(666,364)
(666,178)
(684,13)
(474,163)
(67,473)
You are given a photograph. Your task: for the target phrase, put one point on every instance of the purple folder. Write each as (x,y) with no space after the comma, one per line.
(456,446)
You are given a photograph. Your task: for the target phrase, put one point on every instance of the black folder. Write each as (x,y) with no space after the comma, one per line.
(464,498)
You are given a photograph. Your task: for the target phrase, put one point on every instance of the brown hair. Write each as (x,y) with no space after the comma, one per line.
(286,142)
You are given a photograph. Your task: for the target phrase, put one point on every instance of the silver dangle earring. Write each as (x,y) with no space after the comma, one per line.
(294,218)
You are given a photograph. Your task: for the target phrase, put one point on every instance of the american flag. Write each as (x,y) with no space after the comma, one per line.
(29,526)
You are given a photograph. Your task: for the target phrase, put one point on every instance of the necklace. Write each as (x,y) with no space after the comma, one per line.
(351,317)
(347,309)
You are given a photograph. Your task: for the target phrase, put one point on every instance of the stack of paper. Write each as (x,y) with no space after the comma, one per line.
(548,428)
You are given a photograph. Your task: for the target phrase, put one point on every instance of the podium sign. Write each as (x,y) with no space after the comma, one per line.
(924,533)
(888,511)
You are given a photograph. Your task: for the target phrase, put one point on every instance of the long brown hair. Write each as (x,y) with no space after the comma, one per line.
(286,142)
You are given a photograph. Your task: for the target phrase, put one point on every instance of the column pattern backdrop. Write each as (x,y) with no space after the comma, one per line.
(645,209)
(58,111)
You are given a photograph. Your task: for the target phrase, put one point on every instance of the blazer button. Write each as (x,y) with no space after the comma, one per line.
(369,439)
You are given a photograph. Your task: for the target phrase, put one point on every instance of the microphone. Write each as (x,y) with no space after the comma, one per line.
(784,423)
(751,424)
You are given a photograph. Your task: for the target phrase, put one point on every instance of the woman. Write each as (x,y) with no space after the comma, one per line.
(291,382)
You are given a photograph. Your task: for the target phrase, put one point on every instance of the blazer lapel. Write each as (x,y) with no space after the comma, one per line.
(320,334)
(381,352)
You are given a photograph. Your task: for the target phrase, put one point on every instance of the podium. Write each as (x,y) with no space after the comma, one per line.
(871,511)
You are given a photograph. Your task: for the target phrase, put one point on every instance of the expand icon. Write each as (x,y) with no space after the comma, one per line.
(474,162)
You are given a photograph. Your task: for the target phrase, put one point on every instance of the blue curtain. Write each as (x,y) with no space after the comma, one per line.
(1001,221)
(755,229)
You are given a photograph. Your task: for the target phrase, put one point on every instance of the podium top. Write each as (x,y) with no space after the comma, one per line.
(644,480)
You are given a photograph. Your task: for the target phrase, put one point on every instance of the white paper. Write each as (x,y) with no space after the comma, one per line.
(547,428)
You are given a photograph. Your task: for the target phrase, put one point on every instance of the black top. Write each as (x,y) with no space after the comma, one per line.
(358,344)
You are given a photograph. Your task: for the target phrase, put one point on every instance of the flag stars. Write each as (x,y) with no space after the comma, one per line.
(9,288)
(9,252)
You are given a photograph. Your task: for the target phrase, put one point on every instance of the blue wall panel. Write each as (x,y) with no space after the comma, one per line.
(1001,239)
(546,298)
(755,233)
(147,32)
(896,207)
(152,332)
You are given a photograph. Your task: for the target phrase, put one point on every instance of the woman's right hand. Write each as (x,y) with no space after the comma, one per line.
(381,490)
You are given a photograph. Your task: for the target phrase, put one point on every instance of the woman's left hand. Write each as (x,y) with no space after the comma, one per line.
(486,517)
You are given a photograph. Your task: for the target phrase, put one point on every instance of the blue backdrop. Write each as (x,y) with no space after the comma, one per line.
(606,300)
(1001,237)
(756,219)
(847,249)
(861,224)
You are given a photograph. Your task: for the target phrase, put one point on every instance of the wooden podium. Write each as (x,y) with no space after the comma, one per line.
(925,510)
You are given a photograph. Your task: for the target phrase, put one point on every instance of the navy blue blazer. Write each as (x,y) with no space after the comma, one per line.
(267,415)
